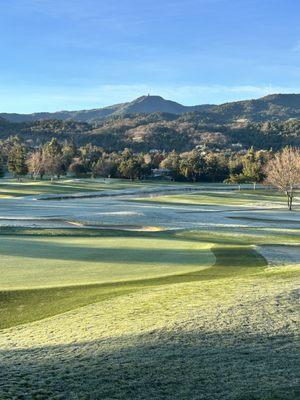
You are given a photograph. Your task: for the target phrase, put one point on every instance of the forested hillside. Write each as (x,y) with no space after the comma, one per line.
(160,131)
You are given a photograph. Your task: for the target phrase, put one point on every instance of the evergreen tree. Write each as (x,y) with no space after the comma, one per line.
(215,167)
(77,168)
(69,151)
(17,159)
(252,168)
(53,159)
(172,162)
(1,166)
(237,179)
(89,155)
(192,166)
(105,167)
(130,168)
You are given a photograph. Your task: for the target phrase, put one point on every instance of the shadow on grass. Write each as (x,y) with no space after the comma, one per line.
(48,250)
(24,189)
(174,365)
(266,220)
(229,235)
(22,306)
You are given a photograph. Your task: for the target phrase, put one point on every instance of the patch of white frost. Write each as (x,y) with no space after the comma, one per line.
(278,255)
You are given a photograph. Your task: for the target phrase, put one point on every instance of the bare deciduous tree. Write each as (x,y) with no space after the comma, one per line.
(35,164)
(283,172)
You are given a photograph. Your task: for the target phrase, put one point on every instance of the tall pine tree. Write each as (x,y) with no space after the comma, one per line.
(17,159)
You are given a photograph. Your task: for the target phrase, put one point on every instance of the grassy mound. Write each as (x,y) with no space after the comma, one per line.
(232,338)
(61,273)
(20,306)
(185,314)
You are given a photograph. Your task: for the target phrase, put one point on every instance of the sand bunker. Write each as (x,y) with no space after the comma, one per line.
(138,228)
(120,213)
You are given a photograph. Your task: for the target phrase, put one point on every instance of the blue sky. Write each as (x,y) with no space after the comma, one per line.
(75,54)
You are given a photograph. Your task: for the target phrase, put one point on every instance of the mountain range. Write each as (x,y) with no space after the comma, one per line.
(272,107)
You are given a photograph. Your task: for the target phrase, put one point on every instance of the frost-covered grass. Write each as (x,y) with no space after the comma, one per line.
(32,262)
(42,276)
(176,314)
(27,187)
(61,273)
(231,337)
(13,188)
(261,197)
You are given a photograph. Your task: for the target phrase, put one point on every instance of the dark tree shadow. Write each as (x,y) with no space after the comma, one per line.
(174,365)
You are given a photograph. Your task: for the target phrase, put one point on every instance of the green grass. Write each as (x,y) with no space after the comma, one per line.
(228,198)
(13,188)
(246,236)
(238,322)
(20,306)
(31,262)
(263,219)
(49,271)
(75,271)
(99,314)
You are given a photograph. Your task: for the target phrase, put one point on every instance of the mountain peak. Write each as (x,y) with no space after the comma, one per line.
(146,99)
(271,107)
(150,104)
(149,98)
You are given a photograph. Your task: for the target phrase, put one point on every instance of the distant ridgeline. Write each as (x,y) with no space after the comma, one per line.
(150,122)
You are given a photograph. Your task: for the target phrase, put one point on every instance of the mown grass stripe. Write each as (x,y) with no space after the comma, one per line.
(23,306)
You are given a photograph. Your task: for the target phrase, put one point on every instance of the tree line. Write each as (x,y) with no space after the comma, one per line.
(55,159)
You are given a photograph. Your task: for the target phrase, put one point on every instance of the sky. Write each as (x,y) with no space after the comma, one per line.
(81,54)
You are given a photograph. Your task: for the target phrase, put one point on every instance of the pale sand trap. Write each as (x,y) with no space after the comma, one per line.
(125,213)
(118,227)
(280,254)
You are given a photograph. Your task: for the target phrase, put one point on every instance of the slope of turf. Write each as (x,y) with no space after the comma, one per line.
(192,314)
(226,198)
(28,305)
(35,262)
(233,338)
(13,188)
